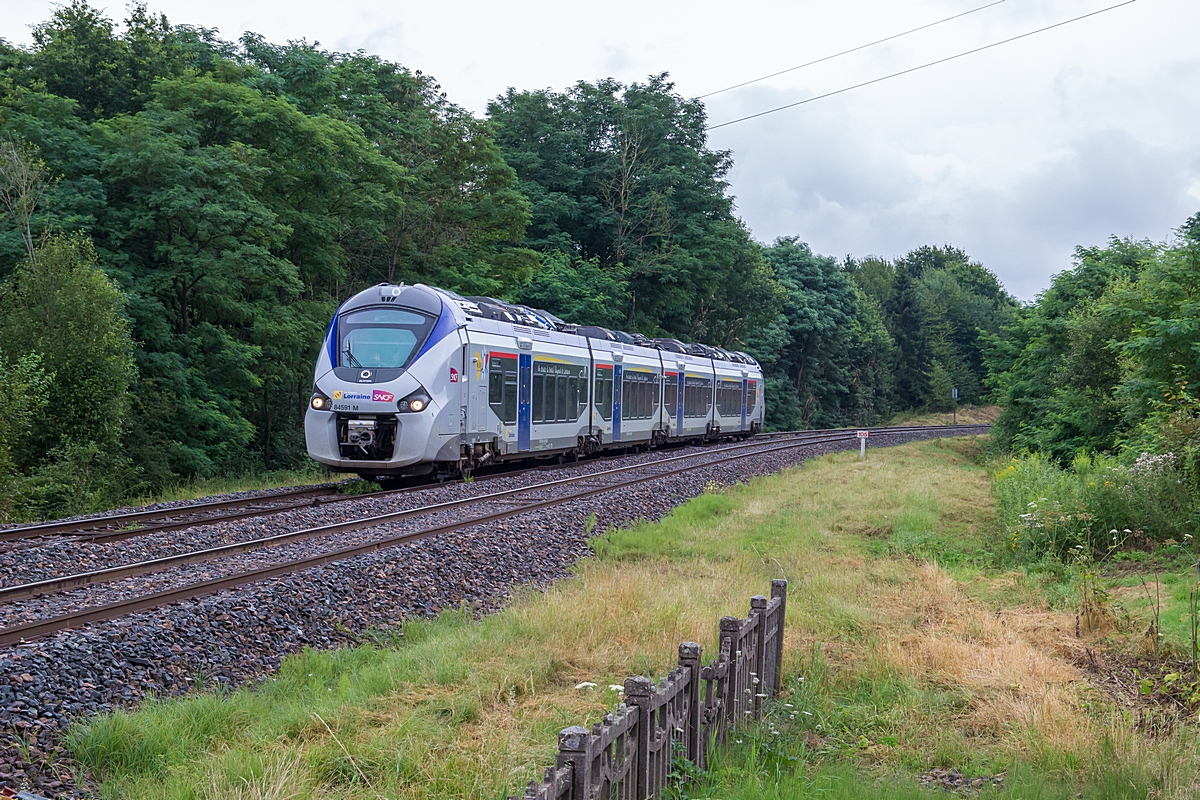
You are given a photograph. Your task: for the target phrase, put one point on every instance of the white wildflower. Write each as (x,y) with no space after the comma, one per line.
(585,685)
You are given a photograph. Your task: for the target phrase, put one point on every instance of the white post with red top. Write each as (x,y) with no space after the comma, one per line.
(862,444)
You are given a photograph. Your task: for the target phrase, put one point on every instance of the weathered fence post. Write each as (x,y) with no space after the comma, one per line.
(733,688)
(573,750)
(628,755)
(758,611)
(689,657)
(637,694)
(779,589)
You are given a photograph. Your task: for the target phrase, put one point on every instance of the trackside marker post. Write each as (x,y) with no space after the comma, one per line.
(862,444)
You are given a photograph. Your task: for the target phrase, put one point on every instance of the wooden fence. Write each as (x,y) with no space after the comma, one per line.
(627,755)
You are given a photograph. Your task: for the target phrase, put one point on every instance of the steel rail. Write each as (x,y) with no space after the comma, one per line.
(92,523)
(91,529)
(53,585)
(41,628)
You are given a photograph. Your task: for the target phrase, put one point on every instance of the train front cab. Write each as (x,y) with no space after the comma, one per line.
(385,347)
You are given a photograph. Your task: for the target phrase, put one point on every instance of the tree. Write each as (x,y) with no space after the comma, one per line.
(817,315)
(939,308)
(621,175)
(238,192)
(62,319)
(581,292)
(65,310)
(23,185)
(1160,315)
(1054,369)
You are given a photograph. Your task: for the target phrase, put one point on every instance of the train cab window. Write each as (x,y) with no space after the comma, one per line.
(604,392)
(751,396)
(381,338)
(502,387)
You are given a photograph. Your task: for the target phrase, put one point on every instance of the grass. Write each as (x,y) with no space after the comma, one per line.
(906,650)
(967,415)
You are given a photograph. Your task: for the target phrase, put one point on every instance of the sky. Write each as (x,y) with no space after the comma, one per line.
(1016,155)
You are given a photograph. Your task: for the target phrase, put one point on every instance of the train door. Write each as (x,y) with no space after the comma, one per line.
(458,375)
(679,403)
(745,389)
(479,369)
(713,409)
(524,395)
(618,372)
(602,395)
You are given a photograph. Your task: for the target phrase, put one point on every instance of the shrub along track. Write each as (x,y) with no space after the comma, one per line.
(333,596)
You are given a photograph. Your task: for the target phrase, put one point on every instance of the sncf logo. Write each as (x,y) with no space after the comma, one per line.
(382,397)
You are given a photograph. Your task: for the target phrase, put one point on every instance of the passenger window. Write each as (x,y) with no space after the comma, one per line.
(604,388)
(502,387)
(510,397)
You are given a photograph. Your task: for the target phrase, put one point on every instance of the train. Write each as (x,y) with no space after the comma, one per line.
(413,380)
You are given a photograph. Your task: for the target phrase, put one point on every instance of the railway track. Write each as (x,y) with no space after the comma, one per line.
(116,527)
(508,504)
(127,525)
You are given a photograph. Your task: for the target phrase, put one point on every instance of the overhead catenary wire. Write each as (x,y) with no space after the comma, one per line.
(919,67)
(848,52)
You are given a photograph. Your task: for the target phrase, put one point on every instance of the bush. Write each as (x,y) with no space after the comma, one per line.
(1098,504)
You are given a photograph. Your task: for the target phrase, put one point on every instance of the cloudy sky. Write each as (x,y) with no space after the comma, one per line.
(1017,154)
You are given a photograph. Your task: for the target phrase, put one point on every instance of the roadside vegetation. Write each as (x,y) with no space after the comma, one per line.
(918,655)
(1098,380)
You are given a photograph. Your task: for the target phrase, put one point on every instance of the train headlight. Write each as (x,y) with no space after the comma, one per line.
(417,401)
(319,402)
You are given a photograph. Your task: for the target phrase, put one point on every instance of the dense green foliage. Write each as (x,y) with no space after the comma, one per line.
(234,193)
(68,390)
(622,175)
(1107,361)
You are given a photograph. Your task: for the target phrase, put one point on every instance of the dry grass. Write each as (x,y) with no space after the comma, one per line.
(967,415)
(469,709)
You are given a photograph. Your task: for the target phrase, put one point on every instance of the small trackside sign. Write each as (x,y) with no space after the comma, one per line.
(864,434)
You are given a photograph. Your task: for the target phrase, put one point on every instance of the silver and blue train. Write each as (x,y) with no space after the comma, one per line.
(413,380)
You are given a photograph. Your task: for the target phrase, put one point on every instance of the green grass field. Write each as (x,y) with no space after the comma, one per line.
(907,651)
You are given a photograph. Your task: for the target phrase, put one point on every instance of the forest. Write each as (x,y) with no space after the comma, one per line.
(182,215)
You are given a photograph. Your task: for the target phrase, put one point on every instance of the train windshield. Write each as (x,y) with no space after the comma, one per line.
(381,338)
